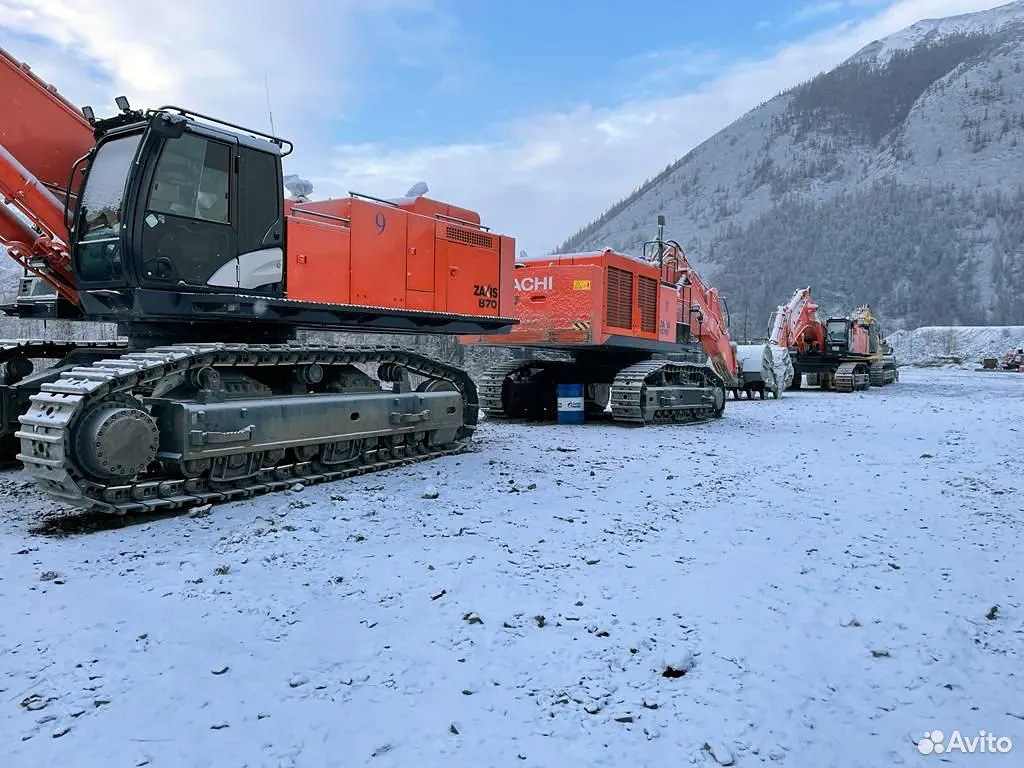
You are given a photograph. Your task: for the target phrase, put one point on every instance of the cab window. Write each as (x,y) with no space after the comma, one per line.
(191,180)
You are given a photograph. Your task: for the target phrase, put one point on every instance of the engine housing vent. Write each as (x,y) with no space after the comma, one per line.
(469,237)
(619,310)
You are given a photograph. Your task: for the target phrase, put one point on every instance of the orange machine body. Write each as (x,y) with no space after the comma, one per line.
(860,340)
(417,255)
(795,325)
(589,299)
(608,299)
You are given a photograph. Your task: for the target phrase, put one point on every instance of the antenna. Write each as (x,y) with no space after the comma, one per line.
(661,239)
(266,86)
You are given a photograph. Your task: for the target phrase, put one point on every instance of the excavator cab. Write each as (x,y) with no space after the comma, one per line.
(173,225)
(837,335)
(172,202)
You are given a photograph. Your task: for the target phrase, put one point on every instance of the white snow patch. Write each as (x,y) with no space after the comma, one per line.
(956,345)
(933,30)
(176,641)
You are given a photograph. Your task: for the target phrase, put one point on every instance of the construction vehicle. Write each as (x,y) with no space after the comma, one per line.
(1014,360)
(1011,361)
(844,354)
(173,226)
(635,333)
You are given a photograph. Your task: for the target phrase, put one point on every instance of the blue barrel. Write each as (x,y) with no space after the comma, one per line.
(570,403)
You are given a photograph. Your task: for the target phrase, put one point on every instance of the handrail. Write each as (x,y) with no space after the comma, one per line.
(375,199)
(67,190)
(323,215)
(189,113)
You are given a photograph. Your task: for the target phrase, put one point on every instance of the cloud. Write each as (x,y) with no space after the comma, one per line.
(538,177)
(663,71)
(542,177)
(814,10)
(218,56)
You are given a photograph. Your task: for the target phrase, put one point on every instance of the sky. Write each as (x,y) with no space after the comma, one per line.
(538,114)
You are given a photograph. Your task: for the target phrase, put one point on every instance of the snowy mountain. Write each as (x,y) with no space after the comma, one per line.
(893,180)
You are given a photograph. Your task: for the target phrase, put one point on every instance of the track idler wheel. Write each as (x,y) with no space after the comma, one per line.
(115,442)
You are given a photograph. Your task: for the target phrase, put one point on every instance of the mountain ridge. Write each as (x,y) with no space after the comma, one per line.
(930,117)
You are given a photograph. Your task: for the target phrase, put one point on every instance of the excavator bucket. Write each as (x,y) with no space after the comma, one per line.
(757,371)
(783,365)
(39,126)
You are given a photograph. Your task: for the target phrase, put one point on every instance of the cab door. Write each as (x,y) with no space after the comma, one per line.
(188,221)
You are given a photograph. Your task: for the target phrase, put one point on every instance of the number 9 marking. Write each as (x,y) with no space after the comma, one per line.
(381,223)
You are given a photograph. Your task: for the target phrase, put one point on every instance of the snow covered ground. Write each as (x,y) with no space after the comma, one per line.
(934,343)
(822,568)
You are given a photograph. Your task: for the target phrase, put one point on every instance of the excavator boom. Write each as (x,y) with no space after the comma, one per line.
(39,126)
(702,309)
(795,325)
(42,137)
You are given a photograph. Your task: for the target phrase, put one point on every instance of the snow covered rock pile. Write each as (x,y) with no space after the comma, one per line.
(956,345)
(783,366)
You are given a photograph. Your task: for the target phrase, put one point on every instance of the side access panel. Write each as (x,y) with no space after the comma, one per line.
(419,278)
(378,255)
(468,270)
(317,267)
(366,254)
(668,312)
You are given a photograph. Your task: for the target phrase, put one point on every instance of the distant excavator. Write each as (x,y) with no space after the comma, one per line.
(639,333)
(844,354)
(1011,361)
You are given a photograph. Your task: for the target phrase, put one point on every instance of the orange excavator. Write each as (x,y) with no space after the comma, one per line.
(843,353)
(173,225)
(639,334)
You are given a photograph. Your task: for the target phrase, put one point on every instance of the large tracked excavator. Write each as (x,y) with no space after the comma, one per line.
(173,225)
(844,354)
(639,334)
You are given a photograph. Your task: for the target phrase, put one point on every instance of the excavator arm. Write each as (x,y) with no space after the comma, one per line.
(42,139)
(796,324)
(702,310)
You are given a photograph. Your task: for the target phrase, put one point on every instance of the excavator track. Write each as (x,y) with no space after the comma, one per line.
(16,357)
(30,348)
(527,388)
(882,374)
(664,392)
(648,392)
(850,377)
(491,386)
(69,434)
